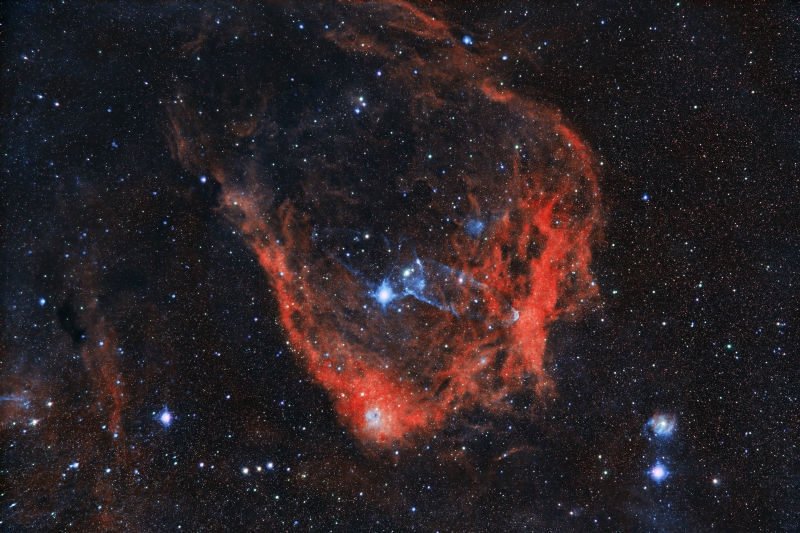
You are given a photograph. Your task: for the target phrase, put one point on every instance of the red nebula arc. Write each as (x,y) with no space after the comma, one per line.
(513,203)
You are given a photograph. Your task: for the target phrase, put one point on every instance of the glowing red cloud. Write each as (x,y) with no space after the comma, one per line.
(399,372)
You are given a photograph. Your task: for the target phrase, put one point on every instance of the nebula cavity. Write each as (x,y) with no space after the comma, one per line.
(419,249)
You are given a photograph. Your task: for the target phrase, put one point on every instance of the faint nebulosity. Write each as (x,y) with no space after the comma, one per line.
(399,266)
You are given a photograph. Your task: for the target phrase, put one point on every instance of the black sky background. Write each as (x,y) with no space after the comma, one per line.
(692,111)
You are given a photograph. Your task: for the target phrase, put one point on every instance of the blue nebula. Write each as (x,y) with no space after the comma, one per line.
(662,425)
(456,292)
(474,228)
(373,418)
(393,272)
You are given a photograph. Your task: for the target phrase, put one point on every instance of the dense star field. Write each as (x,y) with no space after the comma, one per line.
(400,267)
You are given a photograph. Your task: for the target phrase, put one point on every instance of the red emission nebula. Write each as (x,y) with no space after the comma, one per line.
(422,149)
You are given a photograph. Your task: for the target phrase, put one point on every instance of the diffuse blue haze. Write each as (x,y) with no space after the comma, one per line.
(381,267)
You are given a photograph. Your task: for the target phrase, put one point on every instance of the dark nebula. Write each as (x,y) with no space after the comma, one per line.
(399,267)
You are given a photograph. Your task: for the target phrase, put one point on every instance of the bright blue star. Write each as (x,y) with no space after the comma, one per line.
(467,40)
(659,472)
(384,294)
(165,417)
